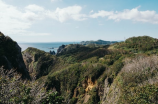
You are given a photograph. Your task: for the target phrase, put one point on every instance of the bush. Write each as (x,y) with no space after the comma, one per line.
(138,80)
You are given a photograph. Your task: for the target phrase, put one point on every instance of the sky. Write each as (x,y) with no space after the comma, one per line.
(78,20)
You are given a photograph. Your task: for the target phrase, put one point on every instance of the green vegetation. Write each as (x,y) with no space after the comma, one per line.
(16,91)
(120,73)
(138,80)
(139,44)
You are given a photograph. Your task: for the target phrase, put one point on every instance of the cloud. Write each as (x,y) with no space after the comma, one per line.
(133,14)
(55,0)
(101,13)
(11,21)
(30,16)
(34,12)
(91,11)
(15,22)
(68,13)
(34,8)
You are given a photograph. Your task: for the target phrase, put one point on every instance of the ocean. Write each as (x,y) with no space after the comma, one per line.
(45,46)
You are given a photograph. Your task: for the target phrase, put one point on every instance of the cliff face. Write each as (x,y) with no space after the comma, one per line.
(68,48)
(60,49)
(38,63)
(11,57)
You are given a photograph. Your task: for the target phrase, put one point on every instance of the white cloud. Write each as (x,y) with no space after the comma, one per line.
(91,11)
(34,12)
(101,13)
(64,14)
(55,0)
(11,20)
(34,8)
(15,22)
(133,14)
(30,16)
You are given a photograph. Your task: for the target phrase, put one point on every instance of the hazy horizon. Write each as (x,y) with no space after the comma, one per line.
(74,21)
(68,41)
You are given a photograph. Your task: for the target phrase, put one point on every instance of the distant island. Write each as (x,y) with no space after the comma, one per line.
(98,42)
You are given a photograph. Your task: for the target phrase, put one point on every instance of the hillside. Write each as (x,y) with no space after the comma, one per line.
(98,42)
(138,44)
(120,73)
(10,56)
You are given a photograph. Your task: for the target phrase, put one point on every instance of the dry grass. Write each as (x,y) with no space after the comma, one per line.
(13,89)
(141,65)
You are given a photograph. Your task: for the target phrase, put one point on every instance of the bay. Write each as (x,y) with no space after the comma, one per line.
(45,46)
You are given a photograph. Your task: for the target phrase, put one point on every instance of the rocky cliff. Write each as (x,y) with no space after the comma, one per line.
(11,57)
(38,63)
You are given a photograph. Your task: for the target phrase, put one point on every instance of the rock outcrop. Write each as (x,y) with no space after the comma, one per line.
(111,93)
(60,49)
(68,48)
(52,52)
(38,63)
(11,57)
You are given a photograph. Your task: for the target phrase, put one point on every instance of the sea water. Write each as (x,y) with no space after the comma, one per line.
(47,47)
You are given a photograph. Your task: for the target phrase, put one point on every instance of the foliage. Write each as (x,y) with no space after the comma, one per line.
(139,85)
(52,98)
(124,72)
(139,44)
(146,94)
(13,90)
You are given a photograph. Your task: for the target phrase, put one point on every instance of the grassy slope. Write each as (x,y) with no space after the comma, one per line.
(87,68)
(137,80)
(120,73)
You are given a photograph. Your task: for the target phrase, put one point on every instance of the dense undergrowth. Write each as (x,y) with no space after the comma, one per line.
(139,80)
(124,73)
(139,44)
(14,90)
